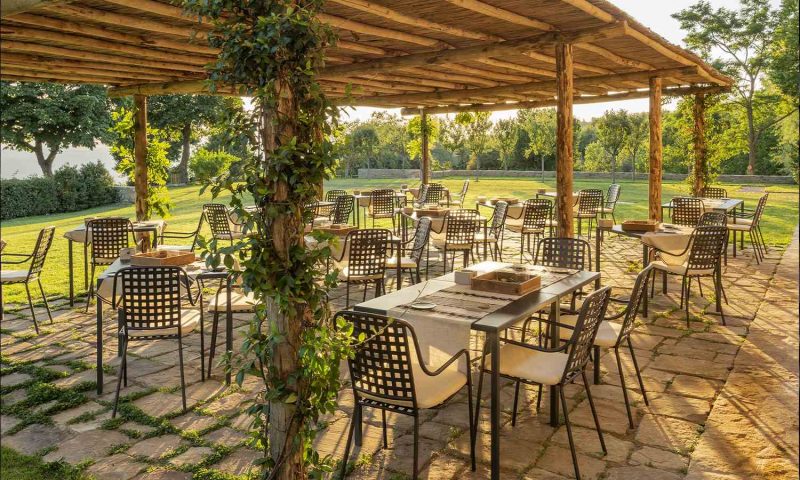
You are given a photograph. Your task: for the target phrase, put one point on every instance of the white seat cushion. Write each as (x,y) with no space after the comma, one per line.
(441,244)
(190,319)
(230,236)
(345,272)
(179,248)
(607,333)
(13,276)
(545,368)
(740,225)
(489,238)
(405,262)
(518,228)
(679,269)
(240,302)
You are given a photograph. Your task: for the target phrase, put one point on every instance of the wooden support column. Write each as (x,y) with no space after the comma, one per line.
(700,148)
(564,147)
(140,155)
(425,160)
(656,149)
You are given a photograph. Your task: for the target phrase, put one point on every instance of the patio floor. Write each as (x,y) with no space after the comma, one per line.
(723,400)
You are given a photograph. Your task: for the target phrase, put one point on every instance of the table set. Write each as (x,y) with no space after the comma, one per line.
(438,225)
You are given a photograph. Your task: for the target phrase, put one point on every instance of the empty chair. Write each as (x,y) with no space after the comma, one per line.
(32,273)
(414,248)
(610,204)
(711,219)
(687,211)
(432,194)
(713,192)
(108,237)
(752,226)
(494,235)
(342,209)
(590,202)
(572,253)
(365,262)
(535,216)
(219,220)
(458,199)
(241,302)
(387,373)
(330,196)
(555,367)
(381,206)
(459,236)
(189,237)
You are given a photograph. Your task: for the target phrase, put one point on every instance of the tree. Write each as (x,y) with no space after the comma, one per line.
(505,135)
(414,131)
(637,139)
(745,37)
(612,134)
(597,158)
(785,64)
(477,126)
(541,128)
(45,118)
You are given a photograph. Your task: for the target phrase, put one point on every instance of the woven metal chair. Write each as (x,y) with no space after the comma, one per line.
(388,373)
(573,253)
(241,302)
(494,235)
(687,211)
(705,251)
(432,194)
(460,228)
(184,236)
(713,192)
(535,216)
(365,262)
(555,367)
(381,206)
(33,272)
(590,203)
(219,220)
(712,219)
(108,236)
(414,249)
(150,308)
(458,199)
(330,196)
(752,226)
(610,204)
(342,209)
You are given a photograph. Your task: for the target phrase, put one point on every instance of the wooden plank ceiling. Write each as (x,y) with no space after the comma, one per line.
(442,55)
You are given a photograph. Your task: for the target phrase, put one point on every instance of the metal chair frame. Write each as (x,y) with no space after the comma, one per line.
(381,206)
(418,244)
(219,221)
(342,209)
(535,214)
(458,200)
(756,236)
(612,197)
(687,211)
(366,258)
(590,202)
(496,229)
(183,235)
(460,228)
(713,192)
(108,236)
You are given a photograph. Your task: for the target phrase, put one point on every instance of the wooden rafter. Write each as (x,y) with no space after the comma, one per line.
(23,59)
(129,21)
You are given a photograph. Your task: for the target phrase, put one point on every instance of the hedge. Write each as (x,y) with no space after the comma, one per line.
(68,190)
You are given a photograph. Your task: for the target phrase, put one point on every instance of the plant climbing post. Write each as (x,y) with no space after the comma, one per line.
(140,155)
(700,173)
(656,149)
(425,162)
(564,147)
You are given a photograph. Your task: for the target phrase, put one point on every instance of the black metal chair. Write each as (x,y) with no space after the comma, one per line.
(108,236)
(381,206)
(555,367)
(494,235)
(535,215)
(752,226)
(432,194)
(175,235)
(219,220)
(705,251)
(36,259)
(460,227)
(342,209)
(414,248)
(572,253)
(713,192)
(687,211)
(388,373)
(458,199)
(712,219)
(150,308)
(330,196)
(590,203)
(365,262)
(610,204)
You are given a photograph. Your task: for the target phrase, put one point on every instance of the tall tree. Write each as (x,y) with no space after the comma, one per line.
(745,38)
(637,139)
(477,126)
(505,135)
(784,68)
(541,128)
(45,118)
(414,131)
(612,133)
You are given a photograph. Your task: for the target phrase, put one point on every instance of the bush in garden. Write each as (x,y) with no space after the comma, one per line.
(28,197)
(97,185)
(206,165)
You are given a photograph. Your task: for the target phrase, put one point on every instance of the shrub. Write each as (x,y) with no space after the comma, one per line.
(28,197)
(206,165)
(69,188)
(97,185)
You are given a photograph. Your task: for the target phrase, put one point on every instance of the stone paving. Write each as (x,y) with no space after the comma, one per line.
(723,399)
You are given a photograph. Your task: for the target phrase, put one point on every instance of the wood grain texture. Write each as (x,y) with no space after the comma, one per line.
(140,155)
(564,146)
(700,148)
(656,149)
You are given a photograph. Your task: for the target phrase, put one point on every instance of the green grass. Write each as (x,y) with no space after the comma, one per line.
(779,220)
(15,466)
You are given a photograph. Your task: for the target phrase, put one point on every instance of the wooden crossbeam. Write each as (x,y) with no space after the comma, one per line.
(502,14)
(363,28)
(129,21)
(27,59)
(13,7)
(56,68)
(46,76)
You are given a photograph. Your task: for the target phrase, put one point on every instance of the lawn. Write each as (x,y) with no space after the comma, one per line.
(779,220)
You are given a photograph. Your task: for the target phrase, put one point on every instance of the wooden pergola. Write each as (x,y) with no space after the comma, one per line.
(426,56)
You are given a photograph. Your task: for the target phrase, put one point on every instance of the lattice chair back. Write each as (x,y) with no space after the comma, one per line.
(150,300)
(367,254)
(536,213)
(464,189)
(218,220)
(382,202)
(421,237)
(43,243)
(332,195)
(637,294)
(461,226)
(612,196)
(423,193)
(713,219)
(591,314)
(713,192)
(564,253)
(687,211)
(434,194)
(708,244)
(381,367)
(108,235)
(499,218)
(762,204)
(589,201)
(342,209)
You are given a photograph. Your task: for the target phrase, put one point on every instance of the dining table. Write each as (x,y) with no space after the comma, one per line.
(732,207)
(515,210)
(460,311)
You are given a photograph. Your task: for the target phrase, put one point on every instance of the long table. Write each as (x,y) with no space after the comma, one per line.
(493,324)
(728,206)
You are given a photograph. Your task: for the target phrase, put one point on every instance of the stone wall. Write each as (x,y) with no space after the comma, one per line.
(125,194)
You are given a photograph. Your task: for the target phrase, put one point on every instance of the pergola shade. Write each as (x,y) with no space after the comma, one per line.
(440,55)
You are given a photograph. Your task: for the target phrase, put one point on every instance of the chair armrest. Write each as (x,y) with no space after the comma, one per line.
(25,258)
(534,347)
(620,300)
(178,234)
(446,364)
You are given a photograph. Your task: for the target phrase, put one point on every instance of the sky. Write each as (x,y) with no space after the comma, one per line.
(655,14)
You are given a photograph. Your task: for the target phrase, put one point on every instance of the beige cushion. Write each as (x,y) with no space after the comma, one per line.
(190,319)
(240,302)
(518,228)
(606,210)
(489,238)
(405,262)
(345,271)
(607,333)
(440,243)
(13,276)
(740,226)
(679,269)
(545,368)
(180,248)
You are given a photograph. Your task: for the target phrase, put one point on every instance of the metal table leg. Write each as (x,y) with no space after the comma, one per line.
(86,266)
(494,342)
(71,275)
(597,243)
(555,318)
(228,330)
(645,263)
(99,314)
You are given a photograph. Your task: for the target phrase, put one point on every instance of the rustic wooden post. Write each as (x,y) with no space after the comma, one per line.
(656,149)
(140,155)
(700,149)
(564,147)
(426,161)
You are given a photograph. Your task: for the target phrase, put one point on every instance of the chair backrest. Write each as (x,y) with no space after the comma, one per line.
(708,244)
(218,220)
(342,209)
(43,243)
(589,201)
(382,202)
(686,210)
(567,252)
(580,345)
(713,192)
(367,252)
(421,236)
(762,204)
(498,218)
(381,367)
(536,213)
(464,189)
(423,192)
(332,195)
(151,296)
(612,196)
(433,194)
(710,219)
(635,301)
(461,226)
(109,235)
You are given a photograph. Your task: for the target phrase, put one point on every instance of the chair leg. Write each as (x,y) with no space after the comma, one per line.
(596,365)
(688,281)
(30,305)
(416,446)
(569,431)
(472,426)
(718,291)
(516,402)
(183,381)
(347,448)
(202,345)
(624,389)
(594,412)
(122,367)
(539,398)
(213,346)
(383,423)
(664,283)
(90,293)
(477,417)
(638,373)
(44,297)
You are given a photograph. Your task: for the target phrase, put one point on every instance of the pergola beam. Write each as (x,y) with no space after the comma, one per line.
(129,21)
(656,150)
(12,7)
(564,147)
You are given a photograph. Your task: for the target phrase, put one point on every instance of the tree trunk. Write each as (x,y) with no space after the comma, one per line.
(656,150)
(564,139)
(752,142)
(613,169)
(700,151)
(186,140)
(140,156)
(45,161)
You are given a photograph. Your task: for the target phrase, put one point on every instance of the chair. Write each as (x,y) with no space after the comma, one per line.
(381,205)
(712,219)
(108,236)
(494,235)
(180,236)
(220,222)
(687,211)
(431,194)
(342,209)
(590,202)
(458,200)
(366,260)
(150,308)
(705,250)
(612,196)
(330,196)
(387,373)
(535,216)
(753,227)
(460,227)
(555,367)
(419,244)
(37,258)
(572,253)
(713,192)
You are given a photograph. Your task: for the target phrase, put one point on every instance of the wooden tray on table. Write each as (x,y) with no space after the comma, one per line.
(432,211)
(340,230)
(162,258)
(507,282)
(640,225)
